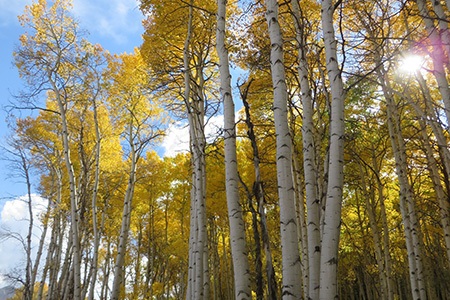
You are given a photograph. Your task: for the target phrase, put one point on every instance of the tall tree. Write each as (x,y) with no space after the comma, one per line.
(309,160)
(288,219)
(237,229)
(139,117)
(332,214)
(47,60)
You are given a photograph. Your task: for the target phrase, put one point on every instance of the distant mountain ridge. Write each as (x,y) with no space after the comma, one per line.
(7,292)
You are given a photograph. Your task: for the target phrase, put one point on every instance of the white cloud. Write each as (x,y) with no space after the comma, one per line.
(176,139)
(177,135)
(14,221)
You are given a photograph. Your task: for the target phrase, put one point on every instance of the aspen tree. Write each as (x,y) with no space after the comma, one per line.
(52,49)
(437,54)
(332,214)
(258,191)
(237,230)
(288,220)
(198,276)
(309,165)
(138,117)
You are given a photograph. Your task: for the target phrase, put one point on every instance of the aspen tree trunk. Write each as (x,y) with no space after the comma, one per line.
(40,250)
(198,276)
(309,166)
(301,221)
(96,233)
(66,278)
(242,288)
(443,29)
(258,191)
(288,220)
(432,162)
(445,157)
(39,255)
(332,215)
(19,152)
(386,244)
(444,205)
(411,226)
(369,197)
(52,261)
(106,271)
(437,55)
(76,265)
(434,121)
(193,217)
(126,219)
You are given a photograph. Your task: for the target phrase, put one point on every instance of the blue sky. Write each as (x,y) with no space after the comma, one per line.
(115,24)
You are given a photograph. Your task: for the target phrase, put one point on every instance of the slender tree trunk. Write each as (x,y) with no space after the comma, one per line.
(369,197)
(385,229)
(198,277)
(257,240)
(442,20)
(125,227)
(411,226)
(332,215)
(237,230)
(445,158)
(96,233)
(289,236)
(301,221)
(40,292)
(76,265)
(258,192)
(443,203)
(40,250)
(20,153)
(437,55)
(313,202)
(104,291)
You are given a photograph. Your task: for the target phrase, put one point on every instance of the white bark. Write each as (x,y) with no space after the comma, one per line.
(96,233)
(407,207)
(242,287)
(443,28)
(444,155)
(198,276)
(193,217)
(309,165)
(125,226)
(288,222)
(73,194)
(332,215)
(437,55)
(385,228)
(444,205)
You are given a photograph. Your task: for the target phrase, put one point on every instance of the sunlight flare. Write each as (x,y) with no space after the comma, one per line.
(411,63)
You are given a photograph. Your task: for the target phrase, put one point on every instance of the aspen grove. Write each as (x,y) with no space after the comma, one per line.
(328,177)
